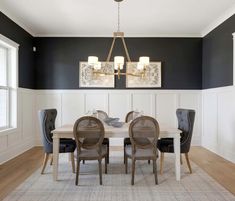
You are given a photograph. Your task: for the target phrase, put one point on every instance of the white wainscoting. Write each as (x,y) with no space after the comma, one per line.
(219,121)
(162,104)
(17,141)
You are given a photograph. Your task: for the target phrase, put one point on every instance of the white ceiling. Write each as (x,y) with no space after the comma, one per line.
(143,18)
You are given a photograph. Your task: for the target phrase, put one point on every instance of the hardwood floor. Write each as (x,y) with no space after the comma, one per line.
(217,167)
(15,171)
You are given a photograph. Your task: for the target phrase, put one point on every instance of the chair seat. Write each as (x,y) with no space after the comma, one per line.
(67,145)
(166,145)
(92,153)
(106,141)
(127,141)
(140,153)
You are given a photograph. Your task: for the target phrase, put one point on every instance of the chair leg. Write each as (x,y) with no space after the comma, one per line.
(161,162)
(133,172)
(83,161)
(108,153)
(46,156)
(148,161)
(51,159)
(124,154)
(126,164)
(72,161)
(188,163)
(155,171)
(106,161)
(181,160)
(100,171)
(77,172)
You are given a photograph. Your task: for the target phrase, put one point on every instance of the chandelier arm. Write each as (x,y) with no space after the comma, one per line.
(126,50)
(111,50)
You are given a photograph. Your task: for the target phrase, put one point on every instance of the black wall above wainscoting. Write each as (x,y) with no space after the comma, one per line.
(14,32)
(217,68)
(57,59)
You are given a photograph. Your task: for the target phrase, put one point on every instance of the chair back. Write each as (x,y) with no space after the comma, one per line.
(102,115)
(88,133)
(47,124)
(144,133)
(131,115)
(186,119)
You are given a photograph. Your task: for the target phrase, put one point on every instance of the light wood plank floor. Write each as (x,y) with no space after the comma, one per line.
(15,171)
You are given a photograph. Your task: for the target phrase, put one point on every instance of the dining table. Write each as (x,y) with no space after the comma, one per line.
(66,131)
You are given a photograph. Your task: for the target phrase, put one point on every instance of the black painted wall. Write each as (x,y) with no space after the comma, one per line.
(217,68)
(57,59)
(26,70)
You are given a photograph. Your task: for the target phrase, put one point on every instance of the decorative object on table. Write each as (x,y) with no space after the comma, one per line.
(119,62)
(87,77)
(185,124)
(151,78)
(109,120)
(144,132)
(89,142)
(47,124)
(102,115)
(116,124)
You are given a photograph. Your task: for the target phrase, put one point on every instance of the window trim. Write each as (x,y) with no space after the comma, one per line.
(11,84)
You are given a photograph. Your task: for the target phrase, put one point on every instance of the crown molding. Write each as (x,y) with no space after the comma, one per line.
(227,14)
(126,35)
(17,21)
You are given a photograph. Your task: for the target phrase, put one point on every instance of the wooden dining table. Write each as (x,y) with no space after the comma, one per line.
(66,131)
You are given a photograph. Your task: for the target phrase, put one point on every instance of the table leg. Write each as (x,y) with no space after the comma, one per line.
(177,158)
(56,142)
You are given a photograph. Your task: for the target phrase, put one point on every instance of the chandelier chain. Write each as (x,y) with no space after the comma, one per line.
(118,16)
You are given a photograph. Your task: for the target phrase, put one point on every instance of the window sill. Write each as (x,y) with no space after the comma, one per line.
(7,131)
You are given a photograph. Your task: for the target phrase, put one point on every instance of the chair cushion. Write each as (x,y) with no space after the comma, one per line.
(106,141)
(92,153)
(67,145)
(165,145)
(140,153)
(127,141)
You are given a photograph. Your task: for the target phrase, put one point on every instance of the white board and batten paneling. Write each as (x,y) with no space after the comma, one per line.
(16,141)
(72,104)
(162,104)
(219,121)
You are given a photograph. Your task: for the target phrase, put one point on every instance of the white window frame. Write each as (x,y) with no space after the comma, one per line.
(233,59)
(12,83)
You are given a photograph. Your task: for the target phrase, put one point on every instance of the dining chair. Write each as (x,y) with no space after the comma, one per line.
(103,115)
(185,124)
(47,124)
(89,134)
(144,133)
(129,117)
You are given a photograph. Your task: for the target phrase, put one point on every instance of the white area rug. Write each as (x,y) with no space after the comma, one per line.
(198,186)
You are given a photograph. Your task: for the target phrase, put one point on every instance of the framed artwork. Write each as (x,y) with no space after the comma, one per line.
(152,78)
(89,79)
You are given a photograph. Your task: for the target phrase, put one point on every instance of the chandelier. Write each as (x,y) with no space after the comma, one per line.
(94,62)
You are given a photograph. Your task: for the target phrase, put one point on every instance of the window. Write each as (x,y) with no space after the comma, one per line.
(8,83)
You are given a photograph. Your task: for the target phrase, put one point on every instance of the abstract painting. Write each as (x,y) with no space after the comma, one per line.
(152,78)
(87,77)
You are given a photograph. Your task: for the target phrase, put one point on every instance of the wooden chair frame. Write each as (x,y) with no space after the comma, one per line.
(97,146)
(135,145)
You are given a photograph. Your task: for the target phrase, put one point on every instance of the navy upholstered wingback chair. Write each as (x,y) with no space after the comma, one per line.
(47,124)
(185,124)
